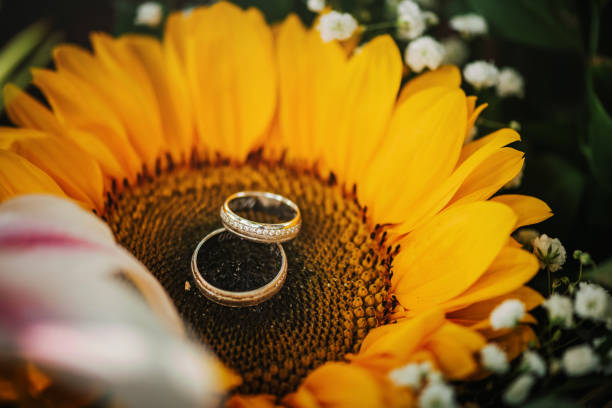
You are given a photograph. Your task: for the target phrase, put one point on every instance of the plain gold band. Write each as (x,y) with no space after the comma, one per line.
(237,299)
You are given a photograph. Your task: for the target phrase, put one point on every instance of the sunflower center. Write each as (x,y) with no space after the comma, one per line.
(337,279)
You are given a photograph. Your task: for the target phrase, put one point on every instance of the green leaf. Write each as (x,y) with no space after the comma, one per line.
(538,23)
(599,142)
(20,46)
(601,274)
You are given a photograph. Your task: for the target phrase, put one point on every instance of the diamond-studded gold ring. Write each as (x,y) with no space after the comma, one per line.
(274,204)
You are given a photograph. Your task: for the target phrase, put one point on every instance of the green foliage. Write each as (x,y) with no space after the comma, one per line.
(537,23)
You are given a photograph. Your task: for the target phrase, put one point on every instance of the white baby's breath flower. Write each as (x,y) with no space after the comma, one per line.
(424,52)
(149,14)
(430,18)
(469,25)
(560,310)
(481,74)
(533,363)
(507,314)
(437,395)
(592,302)
(580,360)
(411,21)
(493,358)
(336,26)
(315,5)
(518,391)
(550,252)
(456,52)
(510,83)
(410,375)
(526,236)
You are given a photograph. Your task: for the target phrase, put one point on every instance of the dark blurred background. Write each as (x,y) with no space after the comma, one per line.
(561,47)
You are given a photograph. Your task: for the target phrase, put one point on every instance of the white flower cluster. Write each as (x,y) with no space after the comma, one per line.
(493,358)
(315,6)
(336,26)
(434,392)
(580,360)
(469,25)
(550,252)
(481,74)
(507,314)
(424,52)
(593,302)
(518,390)
(149,14)
(560,310)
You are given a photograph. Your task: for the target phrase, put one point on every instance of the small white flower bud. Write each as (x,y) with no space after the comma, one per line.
(469,25)
(315,5)
(481,74)
(592,302)
(560,310)
(580,360)
(149,14)
(456,52)
(336,26)
(510,83)
(493,358)
(550,252)
(411,21)
(507,314)
(533,363)
(424,52)
(518,391)
(437,395)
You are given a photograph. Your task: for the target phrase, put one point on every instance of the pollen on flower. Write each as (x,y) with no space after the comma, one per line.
(508,314)
(424,52)
(336,26)
(149,14)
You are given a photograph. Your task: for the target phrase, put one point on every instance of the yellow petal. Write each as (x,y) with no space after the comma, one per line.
(444,257)
(392,345)
(173,108)
(472,157)
(362,112)
(234,97)
(18,176)
(490,176)
(134,104)
(309,80)
(337,385)
(480,311)
(419,152)
(251,401)
(447,76)
(453,347)
(510,270)
(88,113)
(25,111)
(73,170)
(529,210)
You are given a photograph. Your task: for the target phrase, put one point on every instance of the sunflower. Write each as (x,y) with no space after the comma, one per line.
(404,251)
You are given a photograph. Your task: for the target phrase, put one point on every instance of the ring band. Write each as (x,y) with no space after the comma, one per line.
(237,299)
(260,231)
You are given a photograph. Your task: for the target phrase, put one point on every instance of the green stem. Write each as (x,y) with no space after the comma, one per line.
(594,28)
